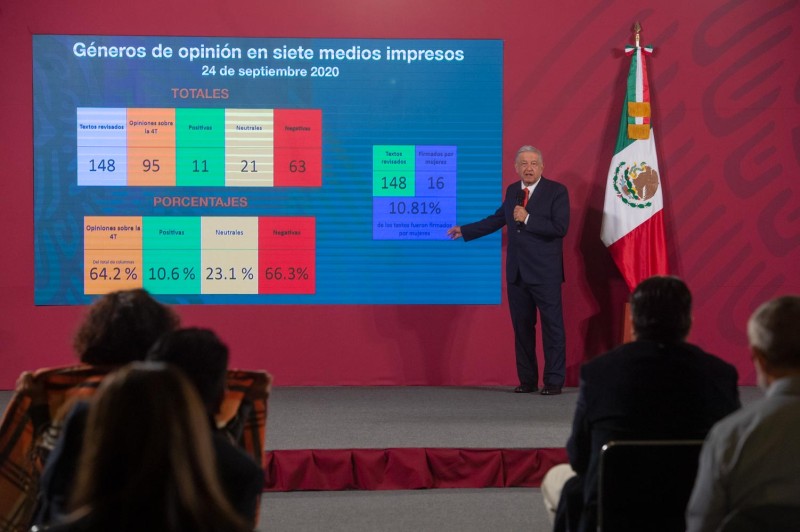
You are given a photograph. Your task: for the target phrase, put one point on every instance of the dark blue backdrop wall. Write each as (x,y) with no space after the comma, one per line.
(725,84)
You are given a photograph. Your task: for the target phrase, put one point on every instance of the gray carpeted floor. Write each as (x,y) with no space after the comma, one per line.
(416,416)
(468,510)
(384,417)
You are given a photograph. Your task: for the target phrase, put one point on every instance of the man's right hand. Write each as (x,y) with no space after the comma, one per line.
(454,232)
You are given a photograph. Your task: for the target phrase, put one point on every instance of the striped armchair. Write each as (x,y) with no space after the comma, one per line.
(23,446)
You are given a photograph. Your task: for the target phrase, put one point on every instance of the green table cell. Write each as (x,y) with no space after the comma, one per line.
(395,183)
(200,167)
(391,158)
(172,271)
(171,232)
(200,128)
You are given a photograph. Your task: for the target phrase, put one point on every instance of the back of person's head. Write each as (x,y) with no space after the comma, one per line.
(201,355)
(121,326)
(774,330)
(147,461)
(661,309)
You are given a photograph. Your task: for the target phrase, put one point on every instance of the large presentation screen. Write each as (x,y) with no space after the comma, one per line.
(265,171)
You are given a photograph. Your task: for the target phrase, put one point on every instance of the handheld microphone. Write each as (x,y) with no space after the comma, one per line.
(522,195)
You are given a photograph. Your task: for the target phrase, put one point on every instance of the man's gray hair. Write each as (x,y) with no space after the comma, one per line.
(531,149)
(774,329)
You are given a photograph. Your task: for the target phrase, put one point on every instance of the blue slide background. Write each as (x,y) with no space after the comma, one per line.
(453,103)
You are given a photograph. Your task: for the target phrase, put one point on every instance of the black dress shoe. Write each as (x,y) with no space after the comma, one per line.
(524,388)
(551,390)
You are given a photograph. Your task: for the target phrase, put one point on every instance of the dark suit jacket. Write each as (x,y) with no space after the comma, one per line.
(535,252)
(645,390)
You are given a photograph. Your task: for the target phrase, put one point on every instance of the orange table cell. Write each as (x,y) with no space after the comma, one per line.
(112,253)
(151,127)
(112,232)
(151,167)
(109,271)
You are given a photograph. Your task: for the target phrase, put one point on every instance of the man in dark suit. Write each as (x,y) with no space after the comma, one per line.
(656,387)
(536,211)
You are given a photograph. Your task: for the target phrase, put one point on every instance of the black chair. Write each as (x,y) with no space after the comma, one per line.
(645,485)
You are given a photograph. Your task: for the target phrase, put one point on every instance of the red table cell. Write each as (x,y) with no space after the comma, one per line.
(287,232)
(287,271)
(287,251)
(297,128)
(298,167)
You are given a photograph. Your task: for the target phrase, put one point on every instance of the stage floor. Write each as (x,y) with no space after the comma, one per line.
(416,416)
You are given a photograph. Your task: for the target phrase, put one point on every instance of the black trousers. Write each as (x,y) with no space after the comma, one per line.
(524,300)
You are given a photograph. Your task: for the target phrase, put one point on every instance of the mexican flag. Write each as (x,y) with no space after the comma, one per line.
(633,219)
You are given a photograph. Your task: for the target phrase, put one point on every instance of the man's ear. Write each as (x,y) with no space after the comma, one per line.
(763,368)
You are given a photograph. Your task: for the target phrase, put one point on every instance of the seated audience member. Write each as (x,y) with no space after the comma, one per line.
(656,387)
(750,458)
(203,358)
(119,328)
(147,461)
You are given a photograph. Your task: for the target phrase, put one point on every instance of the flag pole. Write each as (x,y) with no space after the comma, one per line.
(627,324)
